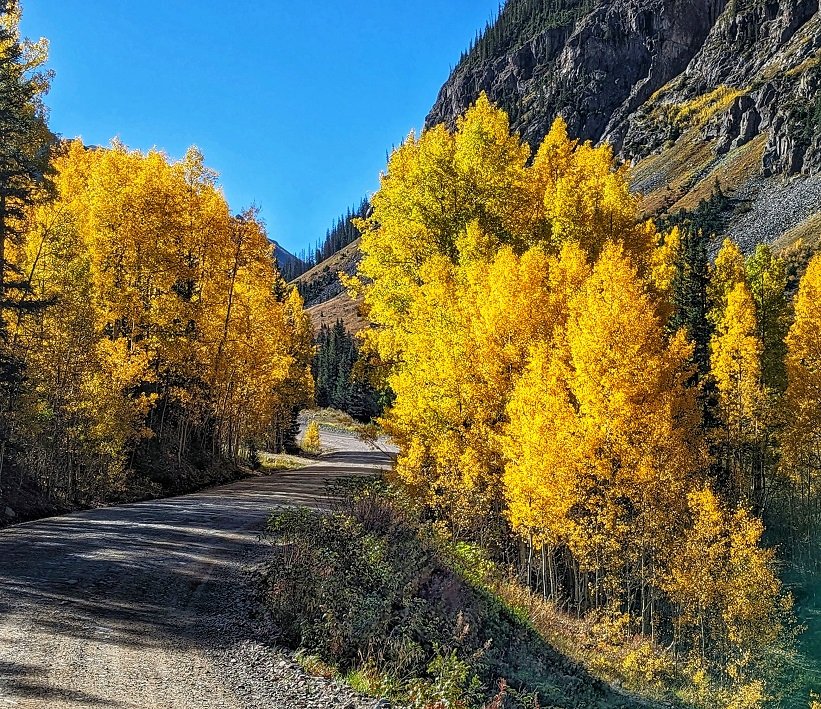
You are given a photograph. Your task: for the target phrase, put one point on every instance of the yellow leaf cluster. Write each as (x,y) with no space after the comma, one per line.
(311,441)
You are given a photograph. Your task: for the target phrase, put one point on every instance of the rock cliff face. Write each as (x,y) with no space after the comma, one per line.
(692,92)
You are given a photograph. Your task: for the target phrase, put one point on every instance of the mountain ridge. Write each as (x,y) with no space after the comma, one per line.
(690,92)
(701,97)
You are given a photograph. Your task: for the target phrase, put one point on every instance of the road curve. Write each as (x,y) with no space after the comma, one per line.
(111,607)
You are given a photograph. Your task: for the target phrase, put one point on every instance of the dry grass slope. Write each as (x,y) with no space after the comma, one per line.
(341,307)
(340,261)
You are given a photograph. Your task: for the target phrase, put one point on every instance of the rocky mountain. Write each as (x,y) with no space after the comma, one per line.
(694,93)
(715,103)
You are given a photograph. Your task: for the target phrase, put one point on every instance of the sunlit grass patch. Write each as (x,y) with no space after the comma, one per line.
(270,462)
(333,418)
(702,108)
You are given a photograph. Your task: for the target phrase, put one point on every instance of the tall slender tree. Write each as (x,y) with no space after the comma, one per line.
(25,139)
(767,277)
(25,149)
(802,411)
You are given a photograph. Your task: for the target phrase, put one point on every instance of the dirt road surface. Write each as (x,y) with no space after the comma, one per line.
(128,606)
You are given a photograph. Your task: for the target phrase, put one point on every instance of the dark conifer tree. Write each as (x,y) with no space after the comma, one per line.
(26,144)
(690,282)
(339,384)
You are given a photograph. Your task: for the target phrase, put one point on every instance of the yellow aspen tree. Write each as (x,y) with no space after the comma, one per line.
(490,164)
(553,158)
(168,322)
(448,416)
(735,360)
(312,441)
(541,480)
(640,424)
(767,278)
(590,203)
(732,618)
(663,263)
(728,271)
(603,441)
(802,411)
(459,266)
(79,414)
(440,185)
(296,390)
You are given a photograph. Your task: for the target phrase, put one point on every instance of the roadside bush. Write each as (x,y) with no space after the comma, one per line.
(311,441)
(371,591)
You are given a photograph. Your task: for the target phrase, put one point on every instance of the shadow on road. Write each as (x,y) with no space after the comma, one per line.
(25,681)
(141,576)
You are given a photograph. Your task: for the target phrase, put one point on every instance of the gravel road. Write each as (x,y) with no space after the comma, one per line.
(148,605)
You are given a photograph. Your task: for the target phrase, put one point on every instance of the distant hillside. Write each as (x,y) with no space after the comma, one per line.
(320,286)
(340,307)
(341,233)
(284,258)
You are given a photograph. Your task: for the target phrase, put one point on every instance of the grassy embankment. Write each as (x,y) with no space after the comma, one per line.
(376,595)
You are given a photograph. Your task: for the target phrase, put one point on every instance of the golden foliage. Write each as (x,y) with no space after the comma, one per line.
(166,320)
(311,441)
(603,438)
(732,609)
(736,363)
(519,313)
(801,461)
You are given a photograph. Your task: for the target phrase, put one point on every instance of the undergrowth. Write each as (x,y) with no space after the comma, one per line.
(374,595)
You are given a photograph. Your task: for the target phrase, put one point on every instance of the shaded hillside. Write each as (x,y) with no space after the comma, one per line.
(285,259)
(691,92)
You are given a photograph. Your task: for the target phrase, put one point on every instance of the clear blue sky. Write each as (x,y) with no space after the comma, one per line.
(295,104)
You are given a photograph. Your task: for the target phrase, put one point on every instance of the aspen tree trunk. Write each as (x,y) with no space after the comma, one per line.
(162,414)
(529,558)
(642,599)
(652,604)
(551,571)
(3,235)
(227,322)
(2,308)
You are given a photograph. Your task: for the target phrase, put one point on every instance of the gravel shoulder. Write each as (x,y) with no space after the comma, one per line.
(150,605)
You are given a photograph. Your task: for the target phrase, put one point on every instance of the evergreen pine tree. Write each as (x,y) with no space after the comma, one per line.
(337,381)
(690,282)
